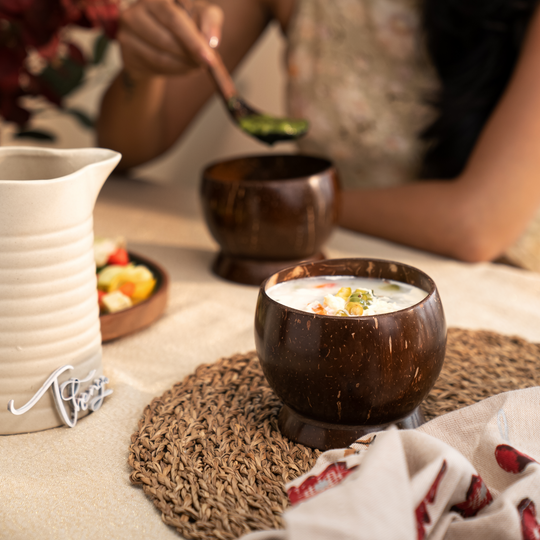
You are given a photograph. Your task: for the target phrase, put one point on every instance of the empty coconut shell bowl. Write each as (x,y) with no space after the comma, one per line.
(341,376)
(268,212)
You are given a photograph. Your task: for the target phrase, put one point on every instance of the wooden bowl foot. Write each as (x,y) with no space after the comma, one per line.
(326,436)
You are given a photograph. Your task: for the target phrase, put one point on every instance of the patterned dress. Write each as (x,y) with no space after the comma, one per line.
(359,71)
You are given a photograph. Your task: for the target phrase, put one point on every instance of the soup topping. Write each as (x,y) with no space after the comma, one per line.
(346,296)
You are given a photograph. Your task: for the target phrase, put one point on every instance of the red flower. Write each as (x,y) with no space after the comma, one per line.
(14,7)
(73,10)
(27,25)
(38,22)
(50,49)
(104,15)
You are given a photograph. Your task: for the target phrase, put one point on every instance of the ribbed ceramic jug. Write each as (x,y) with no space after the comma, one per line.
(49,315)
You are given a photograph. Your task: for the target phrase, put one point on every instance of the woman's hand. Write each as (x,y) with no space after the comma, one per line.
(164,37)
(162,86)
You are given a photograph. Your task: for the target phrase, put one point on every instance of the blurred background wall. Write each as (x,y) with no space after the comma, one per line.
(260,79)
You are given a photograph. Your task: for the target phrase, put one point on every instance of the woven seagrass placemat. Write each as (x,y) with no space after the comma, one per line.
(210,456)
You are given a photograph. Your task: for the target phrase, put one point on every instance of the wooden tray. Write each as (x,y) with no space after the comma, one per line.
(122,323)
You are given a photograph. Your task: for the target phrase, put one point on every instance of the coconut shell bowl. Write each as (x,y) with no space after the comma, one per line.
(341,378)
(268,212)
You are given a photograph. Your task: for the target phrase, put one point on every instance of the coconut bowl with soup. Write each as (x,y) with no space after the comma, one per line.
(350,346)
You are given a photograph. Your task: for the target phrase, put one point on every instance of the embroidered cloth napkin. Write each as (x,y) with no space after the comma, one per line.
(470,474)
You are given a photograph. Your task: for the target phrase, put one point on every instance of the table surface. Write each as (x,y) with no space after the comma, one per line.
(74,483)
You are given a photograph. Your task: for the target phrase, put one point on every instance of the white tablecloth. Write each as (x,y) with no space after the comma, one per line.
(74,483)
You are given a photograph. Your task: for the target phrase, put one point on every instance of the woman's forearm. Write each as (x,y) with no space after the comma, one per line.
(136,119)
(427,215)
(444,217)
(129,121)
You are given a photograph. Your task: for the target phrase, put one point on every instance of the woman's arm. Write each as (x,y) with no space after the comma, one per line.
(484,211)
(164,83)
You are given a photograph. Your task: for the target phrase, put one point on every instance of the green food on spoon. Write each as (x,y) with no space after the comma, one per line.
(270,129)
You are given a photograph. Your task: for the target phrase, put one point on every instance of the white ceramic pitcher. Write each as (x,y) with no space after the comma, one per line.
(49,315)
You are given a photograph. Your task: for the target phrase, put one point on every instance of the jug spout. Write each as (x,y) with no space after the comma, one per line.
(100,163)
(45,189)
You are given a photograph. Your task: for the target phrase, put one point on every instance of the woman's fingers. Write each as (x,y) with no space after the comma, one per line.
(207,16)
(141,24)
(140,58)
(210,19)
(167,37)
(184,29)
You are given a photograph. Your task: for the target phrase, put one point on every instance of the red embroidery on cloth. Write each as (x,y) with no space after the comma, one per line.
(478,496)
(530,528)
(512,460)
(330,477)
(422,515)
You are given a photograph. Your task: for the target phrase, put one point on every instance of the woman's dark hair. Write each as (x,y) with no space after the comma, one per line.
(474,46)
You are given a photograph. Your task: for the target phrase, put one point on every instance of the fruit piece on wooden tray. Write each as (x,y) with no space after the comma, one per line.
(121,283)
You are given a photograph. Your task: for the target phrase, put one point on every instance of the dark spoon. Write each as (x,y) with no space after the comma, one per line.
(263,127)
